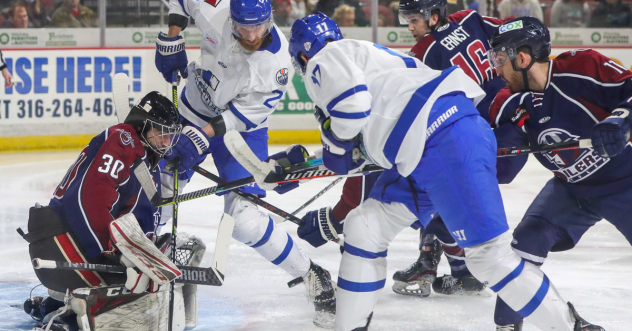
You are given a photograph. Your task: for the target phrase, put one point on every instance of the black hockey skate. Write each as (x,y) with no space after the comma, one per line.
(581,324)
(417,279)
(322,292)
(511,327)
(466,285)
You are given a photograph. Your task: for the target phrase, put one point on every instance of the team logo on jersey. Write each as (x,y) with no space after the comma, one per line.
(314,78)
(282,76)
(510,26)
(545,119)
(126,137)
(213,3)
(573,165)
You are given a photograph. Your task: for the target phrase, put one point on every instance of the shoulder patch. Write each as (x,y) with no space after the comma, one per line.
(282,76)
(126,137)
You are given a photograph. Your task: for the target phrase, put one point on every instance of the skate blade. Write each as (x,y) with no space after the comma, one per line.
(324,320)
(481,294)
(419,289)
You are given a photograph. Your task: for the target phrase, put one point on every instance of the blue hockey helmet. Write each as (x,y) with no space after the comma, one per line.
(250,17)
(410,8)
(309,35)
(515,33)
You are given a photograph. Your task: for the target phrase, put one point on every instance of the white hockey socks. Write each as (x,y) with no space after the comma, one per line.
(255,229)
(522,285)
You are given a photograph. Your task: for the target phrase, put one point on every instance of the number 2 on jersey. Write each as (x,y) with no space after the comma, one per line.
(481,72)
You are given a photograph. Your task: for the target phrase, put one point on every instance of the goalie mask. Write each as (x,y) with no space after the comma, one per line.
(157,122)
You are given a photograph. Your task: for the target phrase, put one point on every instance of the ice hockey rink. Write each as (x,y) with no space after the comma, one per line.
(595,276)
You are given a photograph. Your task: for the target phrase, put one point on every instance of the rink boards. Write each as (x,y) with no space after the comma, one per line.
(62,97)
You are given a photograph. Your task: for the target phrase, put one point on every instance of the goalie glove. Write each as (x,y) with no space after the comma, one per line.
(319,227)
(137,281)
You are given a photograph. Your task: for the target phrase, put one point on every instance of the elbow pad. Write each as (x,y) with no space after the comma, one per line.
(178,20)
(218,125)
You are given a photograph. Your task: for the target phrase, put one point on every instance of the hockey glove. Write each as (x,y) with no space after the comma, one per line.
(137,281)
(610,136)
(339,156)
(319,227)
(292,155)
(171,56)
(192,147)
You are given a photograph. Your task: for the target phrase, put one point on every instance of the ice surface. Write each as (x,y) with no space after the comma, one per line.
(595,276)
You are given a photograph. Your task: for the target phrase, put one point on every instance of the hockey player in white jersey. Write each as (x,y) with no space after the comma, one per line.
(235,85)
(439,155)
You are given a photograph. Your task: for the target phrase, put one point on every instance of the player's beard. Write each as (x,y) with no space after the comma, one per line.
(514,81)
(251,47)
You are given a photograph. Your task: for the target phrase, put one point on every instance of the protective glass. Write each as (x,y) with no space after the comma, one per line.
(252,31)
(500,55)
(161,138)
(413,16)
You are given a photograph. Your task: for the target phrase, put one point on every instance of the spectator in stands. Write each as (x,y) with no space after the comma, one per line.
(520,8)
(611,14)
(5,72)
(38,12)
(570,14)
(327,7)
(18,18)
(283,13)
(300,8)
(344,15)
(73,15)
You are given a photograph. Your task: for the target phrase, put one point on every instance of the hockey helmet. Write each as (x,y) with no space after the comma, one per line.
(515,33)
(250,17)
(155,111)
(407,8)
(309,35)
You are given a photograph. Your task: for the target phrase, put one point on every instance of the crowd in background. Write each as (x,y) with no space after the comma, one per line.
(21,14)
(347,13)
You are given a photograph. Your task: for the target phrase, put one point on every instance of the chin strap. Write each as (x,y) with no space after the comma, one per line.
(524,71)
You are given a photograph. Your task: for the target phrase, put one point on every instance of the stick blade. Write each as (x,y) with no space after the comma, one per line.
(238,148)
(220,255)
(120,94)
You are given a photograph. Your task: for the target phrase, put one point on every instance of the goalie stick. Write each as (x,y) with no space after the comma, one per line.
(120,95)
(213,275)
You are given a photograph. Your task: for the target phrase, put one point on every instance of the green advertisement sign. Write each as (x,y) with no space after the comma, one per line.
(295,100)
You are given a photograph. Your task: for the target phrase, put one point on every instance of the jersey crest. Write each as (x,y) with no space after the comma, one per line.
(282,76)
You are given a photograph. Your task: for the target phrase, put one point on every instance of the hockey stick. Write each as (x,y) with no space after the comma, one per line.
(120,94)
(512,151)
(250,197)
(318,195)
(174,218)
(117,269)
(144,177)
(213,275)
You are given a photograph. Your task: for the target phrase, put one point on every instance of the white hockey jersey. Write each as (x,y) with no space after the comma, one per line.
(365,88)
(245,87)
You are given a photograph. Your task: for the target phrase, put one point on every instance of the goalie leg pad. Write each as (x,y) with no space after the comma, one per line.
(147,312)
(255,229)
